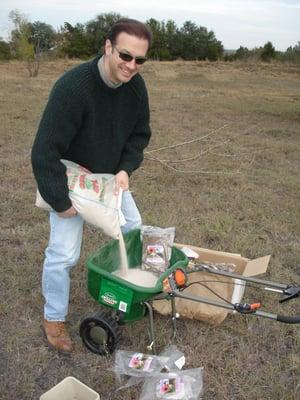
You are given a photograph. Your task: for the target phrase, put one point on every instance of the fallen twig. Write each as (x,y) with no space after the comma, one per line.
(187,142)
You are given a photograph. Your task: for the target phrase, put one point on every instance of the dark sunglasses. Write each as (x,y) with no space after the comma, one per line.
(128,57)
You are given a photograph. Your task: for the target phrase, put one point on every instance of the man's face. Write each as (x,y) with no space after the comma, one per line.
(117,69)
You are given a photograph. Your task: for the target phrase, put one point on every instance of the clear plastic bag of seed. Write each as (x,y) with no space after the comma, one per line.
(180,385)
(157,248)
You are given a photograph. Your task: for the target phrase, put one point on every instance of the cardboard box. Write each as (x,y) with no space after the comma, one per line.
(70,389)
(232,290)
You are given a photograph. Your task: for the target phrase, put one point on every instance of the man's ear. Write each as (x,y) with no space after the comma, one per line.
(108,47)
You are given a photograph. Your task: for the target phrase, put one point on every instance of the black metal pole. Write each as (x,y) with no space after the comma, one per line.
(206,268)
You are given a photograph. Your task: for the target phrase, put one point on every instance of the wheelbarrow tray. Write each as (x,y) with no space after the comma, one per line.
(117,293)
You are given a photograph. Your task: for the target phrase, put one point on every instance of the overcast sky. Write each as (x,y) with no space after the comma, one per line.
(249,23)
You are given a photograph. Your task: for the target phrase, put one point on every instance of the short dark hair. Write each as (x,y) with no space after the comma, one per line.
(131,27)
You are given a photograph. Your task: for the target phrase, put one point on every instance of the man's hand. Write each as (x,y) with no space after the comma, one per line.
(121,181)
(69,213)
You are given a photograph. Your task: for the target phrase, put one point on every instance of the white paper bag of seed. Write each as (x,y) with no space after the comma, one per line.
(93,197)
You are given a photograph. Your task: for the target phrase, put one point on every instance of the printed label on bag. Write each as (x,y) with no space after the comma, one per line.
(155,254)
(171,388)
(140,361)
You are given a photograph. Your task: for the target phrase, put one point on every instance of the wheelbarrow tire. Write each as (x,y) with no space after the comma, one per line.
(100,333)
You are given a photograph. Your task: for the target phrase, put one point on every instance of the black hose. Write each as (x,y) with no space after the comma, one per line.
(288,320)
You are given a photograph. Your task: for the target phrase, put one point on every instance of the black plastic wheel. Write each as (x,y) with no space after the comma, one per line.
(100,333)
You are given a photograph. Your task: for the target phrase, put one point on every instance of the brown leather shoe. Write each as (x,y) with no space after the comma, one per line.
(58,335)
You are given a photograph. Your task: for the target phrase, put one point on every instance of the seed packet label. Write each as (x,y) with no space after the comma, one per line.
(155,254)
(140,361)
(171,388)
(180,362)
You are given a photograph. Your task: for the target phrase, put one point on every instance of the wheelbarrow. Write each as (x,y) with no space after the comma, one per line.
(127,302)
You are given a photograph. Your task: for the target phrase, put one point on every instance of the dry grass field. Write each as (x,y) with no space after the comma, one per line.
(231,183)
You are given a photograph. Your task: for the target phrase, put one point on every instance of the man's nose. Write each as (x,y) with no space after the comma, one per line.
(131,64)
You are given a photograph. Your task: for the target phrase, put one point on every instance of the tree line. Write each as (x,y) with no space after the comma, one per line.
(31,40)
(266,53)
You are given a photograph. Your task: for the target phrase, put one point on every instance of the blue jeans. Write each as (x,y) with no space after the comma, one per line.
(63,252)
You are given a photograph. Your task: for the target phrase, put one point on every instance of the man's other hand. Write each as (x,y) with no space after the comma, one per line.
(121,181)
(69,213)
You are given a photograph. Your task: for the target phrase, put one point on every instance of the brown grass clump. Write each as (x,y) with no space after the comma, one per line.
(223,168)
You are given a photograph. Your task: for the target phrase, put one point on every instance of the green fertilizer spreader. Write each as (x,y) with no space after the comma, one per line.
(127,302)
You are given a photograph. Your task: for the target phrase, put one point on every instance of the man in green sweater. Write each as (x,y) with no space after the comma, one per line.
(97,115)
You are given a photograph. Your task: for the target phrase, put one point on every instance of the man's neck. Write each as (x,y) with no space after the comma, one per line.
(104,74)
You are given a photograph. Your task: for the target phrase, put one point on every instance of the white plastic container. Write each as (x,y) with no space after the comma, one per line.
(70,389)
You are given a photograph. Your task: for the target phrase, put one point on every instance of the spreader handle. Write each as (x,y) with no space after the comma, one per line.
(288,320)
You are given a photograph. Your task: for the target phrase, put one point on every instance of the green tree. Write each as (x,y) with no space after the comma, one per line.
(97,29)
(292,54)
(42,36)
(268,52)
(159,49)
(196,43)
(21,29)
(190,46)
(30,40)
(214,49)
(4,51)
(170,38)
(242,53)
(73,41)
(22,47)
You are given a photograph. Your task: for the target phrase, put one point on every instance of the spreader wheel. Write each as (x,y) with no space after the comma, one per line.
(100,333)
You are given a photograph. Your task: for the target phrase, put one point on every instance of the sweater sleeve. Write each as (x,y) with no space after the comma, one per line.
(132,155)
(59,125)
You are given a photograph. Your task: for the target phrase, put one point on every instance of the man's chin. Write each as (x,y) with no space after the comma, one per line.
(125,78)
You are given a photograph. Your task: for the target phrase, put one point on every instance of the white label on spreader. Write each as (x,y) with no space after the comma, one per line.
(122,306)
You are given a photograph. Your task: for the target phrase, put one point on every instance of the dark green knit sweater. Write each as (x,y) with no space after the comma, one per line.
(85,121)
